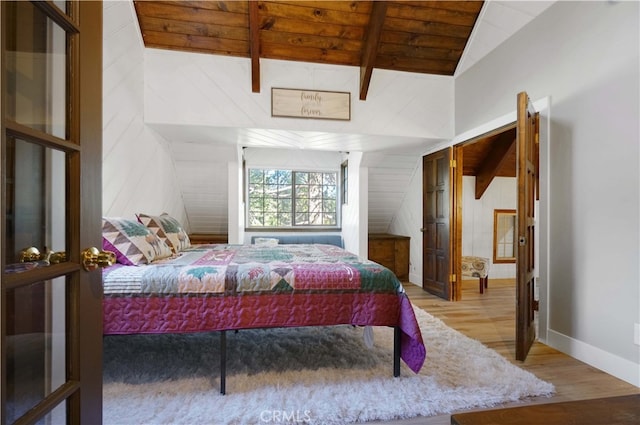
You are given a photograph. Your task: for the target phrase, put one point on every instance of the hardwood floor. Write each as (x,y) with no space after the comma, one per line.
(490,318)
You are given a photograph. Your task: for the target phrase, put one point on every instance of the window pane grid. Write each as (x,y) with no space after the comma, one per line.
(286,198)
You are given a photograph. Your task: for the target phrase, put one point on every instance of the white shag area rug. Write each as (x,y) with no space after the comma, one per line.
(324,375)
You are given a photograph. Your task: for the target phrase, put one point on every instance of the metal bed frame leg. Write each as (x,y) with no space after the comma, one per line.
(396,351)
(223,361)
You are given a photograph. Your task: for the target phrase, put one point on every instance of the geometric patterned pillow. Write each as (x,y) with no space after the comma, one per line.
(168,229)
(132,242)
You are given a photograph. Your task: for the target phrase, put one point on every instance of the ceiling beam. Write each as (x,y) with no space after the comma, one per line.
(493,162)
(254,46)
(370,48)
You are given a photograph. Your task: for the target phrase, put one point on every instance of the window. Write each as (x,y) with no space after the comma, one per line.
(286,198)
(504,236)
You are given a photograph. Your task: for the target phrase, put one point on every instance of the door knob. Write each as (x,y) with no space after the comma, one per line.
(33,254)
(92,258)
(30,254)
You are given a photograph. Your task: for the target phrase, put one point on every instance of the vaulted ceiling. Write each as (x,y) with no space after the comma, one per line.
(429,37)
(413,36)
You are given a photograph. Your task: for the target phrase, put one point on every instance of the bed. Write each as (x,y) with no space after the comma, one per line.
(223,287)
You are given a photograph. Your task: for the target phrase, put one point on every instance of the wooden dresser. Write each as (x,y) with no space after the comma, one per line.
(208,238)
(392,251)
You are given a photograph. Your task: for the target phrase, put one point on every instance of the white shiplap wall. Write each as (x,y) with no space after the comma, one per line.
(407,221)
(389,178)
(207,91)
(197,100)
(202,176)
(477,220)
(138,171)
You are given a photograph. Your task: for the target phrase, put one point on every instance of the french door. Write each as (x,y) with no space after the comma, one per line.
(527,176)
(437,169)
(442,226)
(50,307)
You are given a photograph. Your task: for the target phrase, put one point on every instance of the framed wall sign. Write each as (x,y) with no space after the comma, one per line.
(318,104)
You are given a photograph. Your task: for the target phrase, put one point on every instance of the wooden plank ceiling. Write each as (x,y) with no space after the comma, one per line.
(488,157)
(412,36)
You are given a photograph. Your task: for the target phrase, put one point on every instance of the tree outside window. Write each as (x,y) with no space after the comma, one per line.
(286,198)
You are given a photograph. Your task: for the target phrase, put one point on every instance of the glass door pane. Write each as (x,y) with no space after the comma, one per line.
(35,206)
(62,5)
(36,65)
(35,344)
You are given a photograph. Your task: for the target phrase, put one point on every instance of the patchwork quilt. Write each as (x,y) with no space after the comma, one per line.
(218,287)
(228,269)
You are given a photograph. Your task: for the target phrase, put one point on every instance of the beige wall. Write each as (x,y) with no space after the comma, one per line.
(585,57)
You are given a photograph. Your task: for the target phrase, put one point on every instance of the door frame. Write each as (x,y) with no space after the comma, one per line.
(543,107)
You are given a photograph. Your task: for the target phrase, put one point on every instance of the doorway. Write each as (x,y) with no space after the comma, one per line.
(527,152)
(489,189)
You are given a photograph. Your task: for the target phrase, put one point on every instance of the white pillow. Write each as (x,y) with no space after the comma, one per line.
(265,242)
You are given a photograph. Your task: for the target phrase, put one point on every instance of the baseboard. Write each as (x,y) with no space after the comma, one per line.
(610,363)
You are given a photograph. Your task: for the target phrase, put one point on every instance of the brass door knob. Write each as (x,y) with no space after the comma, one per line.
(92,258)
(30,254)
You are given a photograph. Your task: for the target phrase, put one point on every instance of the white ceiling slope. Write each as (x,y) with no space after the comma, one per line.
(289,139)
(498,20)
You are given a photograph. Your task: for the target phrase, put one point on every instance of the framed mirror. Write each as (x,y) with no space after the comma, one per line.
(504,236)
